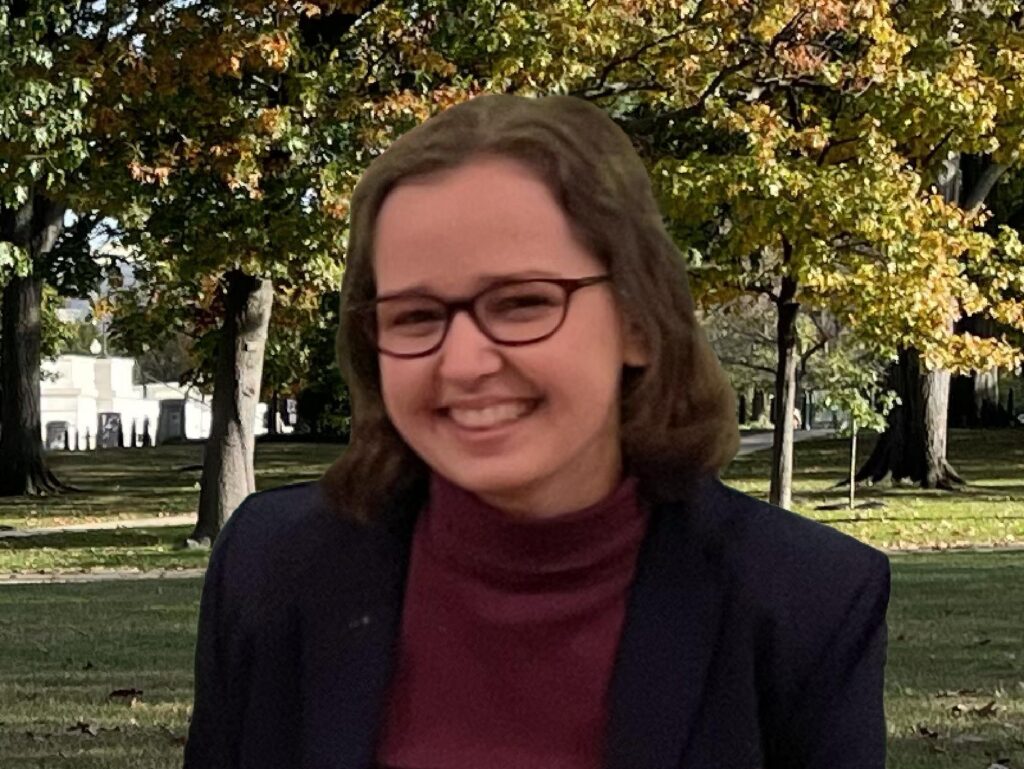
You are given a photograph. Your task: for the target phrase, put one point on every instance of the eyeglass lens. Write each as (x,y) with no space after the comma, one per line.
(519,312)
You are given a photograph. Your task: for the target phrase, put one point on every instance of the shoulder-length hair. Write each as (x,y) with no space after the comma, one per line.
(678,413)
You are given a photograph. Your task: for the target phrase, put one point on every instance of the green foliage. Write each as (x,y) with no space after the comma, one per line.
(42,106)
(57,335)
(851,385)
(13,261)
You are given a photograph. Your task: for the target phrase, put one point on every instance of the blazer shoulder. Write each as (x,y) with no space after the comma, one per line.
(290,515)
(787,564)
(274,540)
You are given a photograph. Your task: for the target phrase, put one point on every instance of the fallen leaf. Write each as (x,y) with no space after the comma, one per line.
(84,728)
(985,711)
(125,694)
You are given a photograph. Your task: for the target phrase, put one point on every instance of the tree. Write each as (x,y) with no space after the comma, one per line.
(742,333)
(241,113)
(976,399)
(972,59)
(851,383)
(798,166)
(42,125)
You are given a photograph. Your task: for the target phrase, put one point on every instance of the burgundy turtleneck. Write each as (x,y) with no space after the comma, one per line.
(509,632)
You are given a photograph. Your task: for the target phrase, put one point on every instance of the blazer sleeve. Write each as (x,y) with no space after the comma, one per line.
(220,662)
(838,720)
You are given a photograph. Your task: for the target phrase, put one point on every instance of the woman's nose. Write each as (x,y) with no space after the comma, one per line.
(467,353)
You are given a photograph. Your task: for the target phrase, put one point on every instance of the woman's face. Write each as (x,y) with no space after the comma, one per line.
(451,234)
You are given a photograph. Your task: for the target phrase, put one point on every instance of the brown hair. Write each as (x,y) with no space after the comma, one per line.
(678,413)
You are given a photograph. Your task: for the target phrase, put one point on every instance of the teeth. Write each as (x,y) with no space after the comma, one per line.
(490,416)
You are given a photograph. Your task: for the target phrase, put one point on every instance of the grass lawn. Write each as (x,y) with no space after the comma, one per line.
(989,511)
(955,683)
(120,484)
(83,551)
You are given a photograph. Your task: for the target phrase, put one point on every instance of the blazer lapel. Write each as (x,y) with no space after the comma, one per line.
(671,630)
(349,629)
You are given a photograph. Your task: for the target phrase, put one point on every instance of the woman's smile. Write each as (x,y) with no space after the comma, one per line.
(490,416)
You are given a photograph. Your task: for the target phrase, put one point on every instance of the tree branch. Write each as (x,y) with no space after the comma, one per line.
(634,56)
(794,108)
(820,344)
(984,185)
(745,364)
(620,88)
(928,158)
(831,143)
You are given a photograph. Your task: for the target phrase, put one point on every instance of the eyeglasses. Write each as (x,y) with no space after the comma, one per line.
(514,312)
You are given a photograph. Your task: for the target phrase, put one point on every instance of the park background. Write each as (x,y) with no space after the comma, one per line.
(845,181)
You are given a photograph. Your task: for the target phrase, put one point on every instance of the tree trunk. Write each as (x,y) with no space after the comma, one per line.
(781,492)
(757,407)
(272,409)
(913,446)
(986,398)
(228,473)
(21,445)
(853,463)
(974,399)
(35,227)
(938,473)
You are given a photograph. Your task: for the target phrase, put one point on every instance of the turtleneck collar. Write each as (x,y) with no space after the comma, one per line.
(575,546)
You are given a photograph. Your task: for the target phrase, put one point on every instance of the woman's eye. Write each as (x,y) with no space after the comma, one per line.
(416,316)
(526,301)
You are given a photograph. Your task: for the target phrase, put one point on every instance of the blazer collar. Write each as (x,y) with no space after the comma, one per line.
(671,630)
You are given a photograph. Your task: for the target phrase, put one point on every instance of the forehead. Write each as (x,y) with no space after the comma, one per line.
(488,217)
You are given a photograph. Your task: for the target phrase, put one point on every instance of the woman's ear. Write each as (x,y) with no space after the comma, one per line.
(635,349)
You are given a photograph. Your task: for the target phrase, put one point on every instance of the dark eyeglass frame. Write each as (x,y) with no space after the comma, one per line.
(366,312)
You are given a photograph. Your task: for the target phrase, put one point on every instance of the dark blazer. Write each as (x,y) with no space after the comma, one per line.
(753,638)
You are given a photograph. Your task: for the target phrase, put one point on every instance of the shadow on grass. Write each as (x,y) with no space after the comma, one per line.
(969,494)
(116,538)
(132,483)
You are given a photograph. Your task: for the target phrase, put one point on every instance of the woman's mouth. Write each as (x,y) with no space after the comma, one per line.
(490,417)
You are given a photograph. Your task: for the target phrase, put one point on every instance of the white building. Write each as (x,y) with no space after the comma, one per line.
(81,394)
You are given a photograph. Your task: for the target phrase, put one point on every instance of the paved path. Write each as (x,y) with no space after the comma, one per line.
(759,441)
(123,523)
(105,575)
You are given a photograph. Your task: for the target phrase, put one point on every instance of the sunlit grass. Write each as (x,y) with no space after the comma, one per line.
(988,511)
(119,484)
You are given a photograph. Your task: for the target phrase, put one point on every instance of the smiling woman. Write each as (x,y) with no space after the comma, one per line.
(525,558)
(531,427)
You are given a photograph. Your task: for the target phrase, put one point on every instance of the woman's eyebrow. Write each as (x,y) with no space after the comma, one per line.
(482,281)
